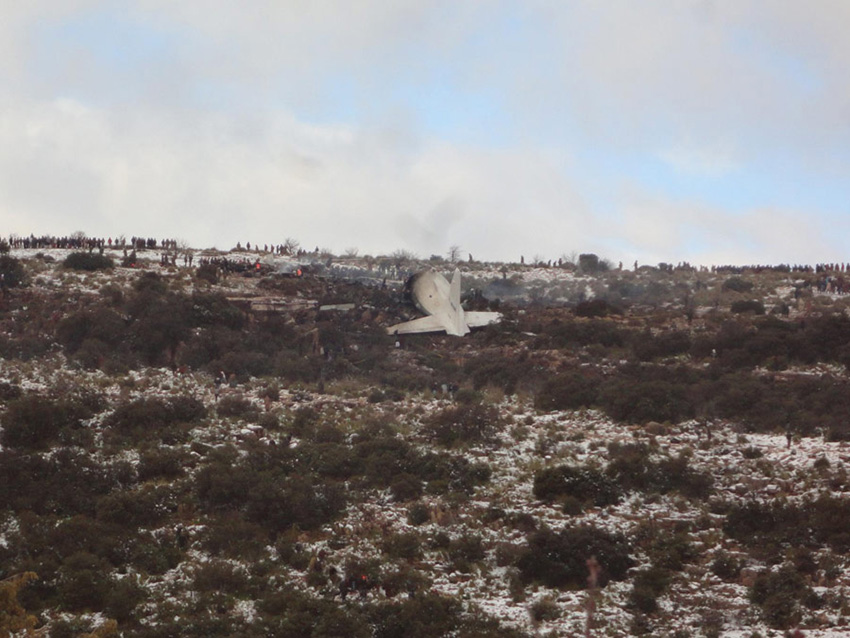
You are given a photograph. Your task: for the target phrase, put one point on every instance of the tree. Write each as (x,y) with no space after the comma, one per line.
(14,620)
(454,253)
(11,272)
(291,245)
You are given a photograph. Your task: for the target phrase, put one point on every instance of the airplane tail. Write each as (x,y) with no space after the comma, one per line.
(454,291)
(460,327)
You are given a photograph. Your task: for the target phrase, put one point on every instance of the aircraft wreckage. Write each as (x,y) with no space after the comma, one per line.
(440,300)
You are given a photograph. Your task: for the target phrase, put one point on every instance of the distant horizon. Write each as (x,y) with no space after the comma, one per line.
(612,263)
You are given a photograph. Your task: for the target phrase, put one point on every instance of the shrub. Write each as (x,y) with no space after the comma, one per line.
(143,507)
(428,616)
(418,514)
(560,559)
(153,557)
(232,536)
(279,504)
(87,261)
(237,406)
(591,263)
(780,594)
(568,391)
(66,483)
(736,284)
(101,324)
(404,580)
(220,575)
(726,567)
(9,391)
(544,609)
(464,551)
(33,422)
(11,272)
(215,310)
(637,401)
(647,585)
(596,308)
(122,599)
(463,424)
(155,418)
(161,463)
(754,306)
(406,487)
(402,546)
(208,273)
(632,469)
(647,346)
(84,582)
(586,484)
(671,550)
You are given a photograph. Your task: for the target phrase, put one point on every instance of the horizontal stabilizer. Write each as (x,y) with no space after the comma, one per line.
(425,324)
(478,319)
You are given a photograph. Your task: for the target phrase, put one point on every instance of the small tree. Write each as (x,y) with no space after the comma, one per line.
(291,245)
(11,272)
(14,620)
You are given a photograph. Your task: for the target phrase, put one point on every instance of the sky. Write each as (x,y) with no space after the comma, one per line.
(706,131)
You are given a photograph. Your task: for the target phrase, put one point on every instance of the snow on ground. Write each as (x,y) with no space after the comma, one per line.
(529,442)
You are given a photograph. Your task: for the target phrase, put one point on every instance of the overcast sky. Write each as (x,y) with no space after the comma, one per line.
(712,131)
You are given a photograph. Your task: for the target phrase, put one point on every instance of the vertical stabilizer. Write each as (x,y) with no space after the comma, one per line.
(454,292)
(459,328)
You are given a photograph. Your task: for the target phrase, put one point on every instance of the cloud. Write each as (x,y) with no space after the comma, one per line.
(207,179)
(505,128)
(654,228)
(713,161)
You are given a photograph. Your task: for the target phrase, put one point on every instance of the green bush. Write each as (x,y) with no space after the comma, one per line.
(637,401)
(726,567)
(167,420)
(9,391)
(84,582)
(596,308)
(647,585)
(559,559)
(66,483)
(568,391)
(231,536)
(405,546)
(144,507)
(418,514)
(648,347)
(124,596)
(463,424)
(88,261)
(754,306)
(11,272)
(464,551)
(406,487)
(34,422)
(736,284)
(220,576)
(780,594)
(632,469)
(544,609)
(162,463)
(428,616)
(208,273)
(101,324)
(238,406)
(586,484)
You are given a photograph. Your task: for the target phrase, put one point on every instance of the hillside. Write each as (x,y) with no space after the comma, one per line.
(682,429)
